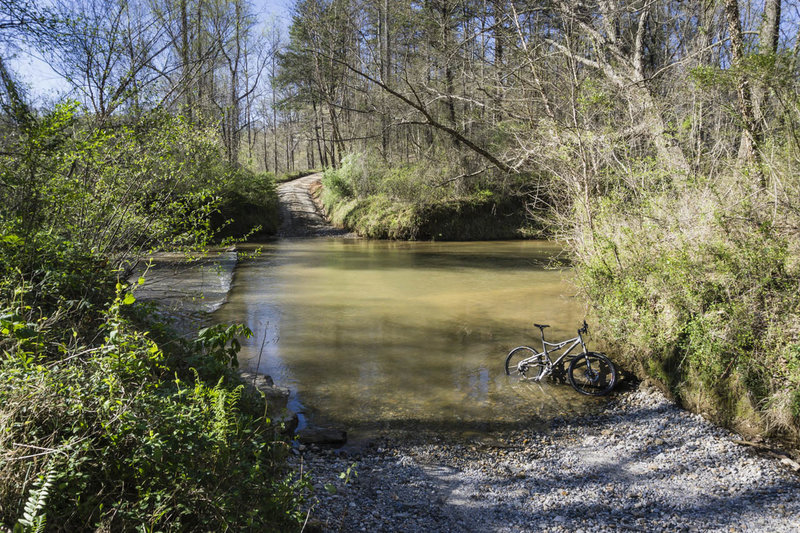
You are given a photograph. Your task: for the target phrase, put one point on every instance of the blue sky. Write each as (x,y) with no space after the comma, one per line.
(44,83)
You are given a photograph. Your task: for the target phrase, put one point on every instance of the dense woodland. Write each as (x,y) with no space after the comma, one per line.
(658,139)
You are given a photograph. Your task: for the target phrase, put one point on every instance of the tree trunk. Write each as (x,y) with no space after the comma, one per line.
(323,160)
(499,38)
(385,66)
(767,46)
(273,75)
(266,150)
(184,30)
(749,149)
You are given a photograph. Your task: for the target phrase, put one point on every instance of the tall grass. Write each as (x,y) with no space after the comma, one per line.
(698,284)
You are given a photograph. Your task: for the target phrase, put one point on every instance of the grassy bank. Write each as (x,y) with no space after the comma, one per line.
(698,283)
(406,203)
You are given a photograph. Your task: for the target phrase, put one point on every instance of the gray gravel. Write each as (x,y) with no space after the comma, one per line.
(640,464)
(300,216)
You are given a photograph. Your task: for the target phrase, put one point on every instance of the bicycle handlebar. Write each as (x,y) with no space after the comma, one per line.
(583,330)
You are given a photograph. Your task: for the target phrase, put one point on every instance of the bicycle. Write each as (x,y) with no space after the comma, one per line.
(590,373)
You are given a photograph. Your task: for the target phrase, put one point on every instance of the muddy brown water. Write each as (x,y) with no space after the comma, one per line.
(376,335)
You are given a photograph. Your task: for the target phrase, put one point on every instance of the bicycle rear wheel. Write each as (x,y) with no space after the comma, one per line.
(525,363)
(592,374)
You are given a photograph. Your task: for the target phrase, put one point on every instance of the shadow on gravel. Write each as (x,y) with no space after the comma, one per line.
(591,508)
(583,487)
(710,499)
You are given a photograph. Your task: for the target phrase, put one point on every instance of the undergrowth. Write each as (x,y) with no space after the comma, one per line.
(416,202)
(102,428)
(104,425)
(699,286)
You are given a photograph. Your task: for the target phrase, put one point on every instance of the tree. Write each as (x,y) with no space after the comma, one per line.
(106,51)
(750,129)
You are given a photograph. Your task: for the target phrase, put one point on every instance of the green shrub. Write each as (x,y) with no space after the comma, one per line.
(248,205)
(697,286)
(127,443)
(337,183)
(129,186)
(58,280)
(102,427)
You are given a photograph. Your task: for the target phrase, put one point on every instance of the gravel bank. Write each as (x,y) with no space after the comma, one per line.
(640,464)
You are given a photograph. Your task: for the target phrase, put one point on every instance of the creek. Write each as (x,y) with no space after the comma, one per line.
(378,335)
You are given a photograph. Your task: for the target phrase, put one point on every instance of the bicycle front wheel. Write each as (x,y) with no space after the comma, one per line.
(592,374)
(525,363)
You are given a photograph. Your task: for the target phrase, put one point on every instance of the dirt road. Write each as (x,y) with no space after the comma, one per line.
(299,215)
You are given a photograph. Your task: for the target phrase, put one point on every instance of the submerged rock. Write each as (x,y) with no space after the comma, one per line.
(277,397)
(322,436)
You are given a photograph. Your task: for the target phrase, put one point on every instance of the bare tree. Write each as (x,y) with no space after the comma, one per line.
(750,129)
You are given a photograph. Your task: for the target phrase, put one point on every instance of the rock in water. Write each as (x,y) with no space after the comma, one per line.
(322,436)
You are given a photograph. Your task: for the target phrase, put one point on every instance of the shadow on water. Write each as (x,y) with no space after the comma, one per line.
(375,335)
(356,254)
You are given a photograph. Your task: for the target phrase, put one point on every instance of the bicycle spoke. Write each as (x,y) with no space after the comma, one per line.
(529,361)
(592,374)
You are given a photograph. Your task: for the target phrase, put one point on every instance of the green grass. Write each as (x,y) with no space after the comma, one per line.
(402,204)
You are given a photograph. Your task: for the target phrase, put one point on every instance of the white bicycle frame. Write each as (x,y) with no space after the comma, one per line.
(553,348)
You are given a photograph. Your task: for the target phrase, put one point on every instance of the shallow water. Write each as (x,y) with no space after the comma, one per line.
(398,335)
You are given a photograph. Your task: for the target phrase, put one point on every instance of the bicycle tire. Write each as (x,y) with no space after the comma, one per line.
(592,374)
(533,370)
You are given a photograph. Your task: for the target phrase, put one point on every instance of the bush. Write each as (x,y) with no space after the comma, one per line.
(126,442)
(697,285)
(130,186)
(48,276)
(248,205)
(100,427)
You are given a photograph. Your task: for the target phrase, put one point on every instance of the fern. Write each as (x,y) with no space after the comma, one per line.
(32,521)
(220,423)
(225,413)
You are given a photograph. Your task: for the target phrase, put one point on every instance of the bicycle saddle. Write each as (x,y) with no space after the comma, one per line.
(542,326)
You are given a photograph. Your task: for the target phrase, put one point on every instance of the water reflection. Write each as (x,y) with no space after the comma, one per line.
(373,334)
